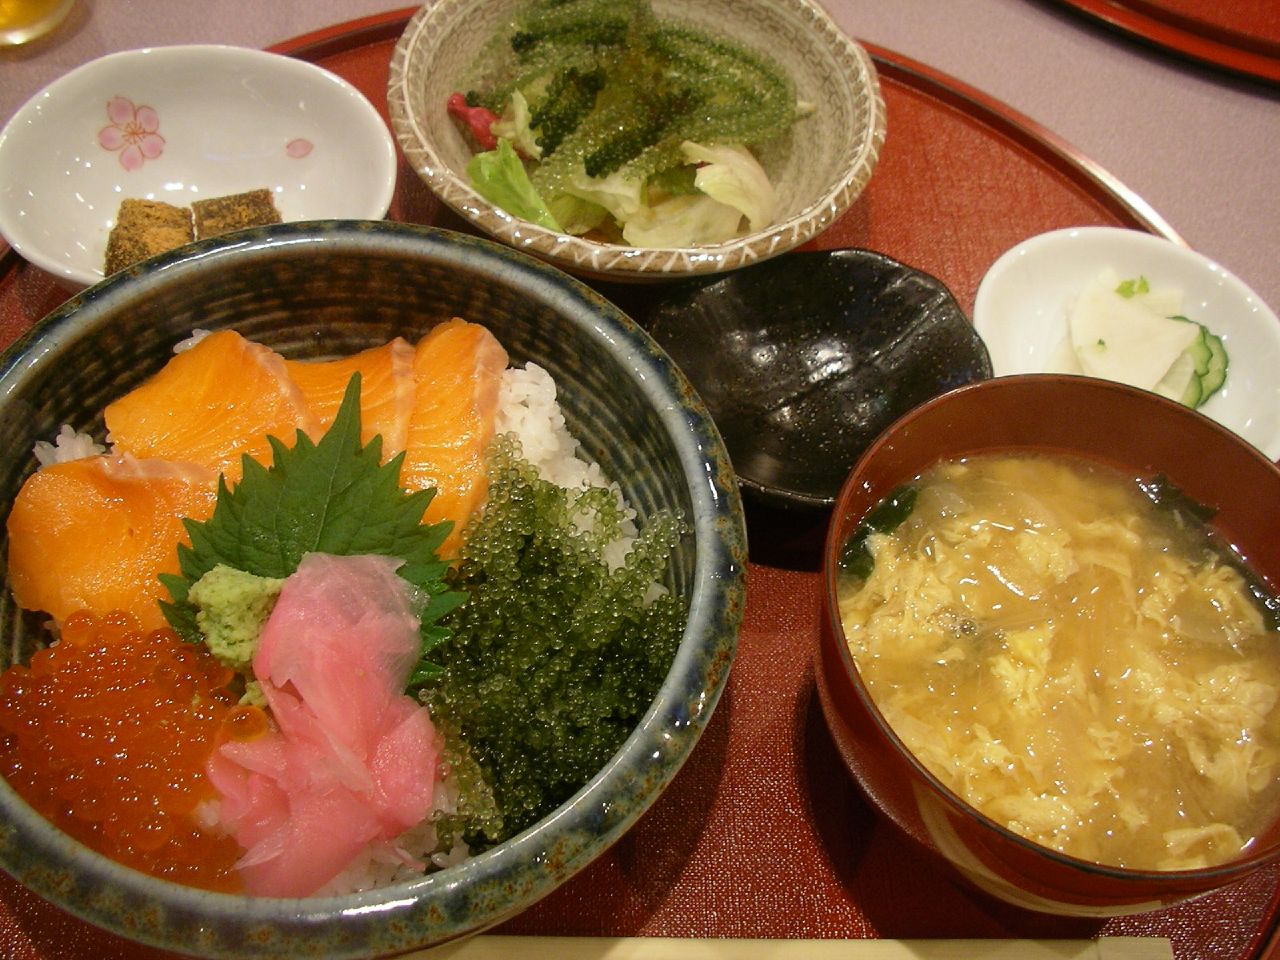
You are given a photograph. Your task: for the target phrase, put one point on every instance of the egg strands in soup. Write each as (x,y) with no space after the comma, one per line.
(1073,661)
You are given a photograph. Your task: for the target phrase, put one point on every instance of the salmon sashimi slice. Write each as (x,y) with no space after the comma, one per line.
(210,405)
(457,370)
(95,533)
(386,391)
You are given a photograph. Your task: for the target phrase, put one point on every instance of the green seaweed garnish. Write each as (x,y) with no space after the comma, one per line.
(1168,497)
(334,497)
(557,655)
(1193,517)
(885,517)
(614,89)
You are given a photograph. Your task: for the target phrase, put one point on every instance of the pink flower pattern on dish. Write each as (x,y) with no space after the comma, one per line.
(133,131)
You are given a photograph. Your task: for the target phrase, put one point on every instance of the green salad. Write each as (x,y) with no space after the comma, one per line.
(596,116)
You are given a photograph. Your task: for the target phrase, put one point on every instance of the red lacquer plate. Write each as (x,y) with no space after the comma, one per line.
(1241,36)
(763,833)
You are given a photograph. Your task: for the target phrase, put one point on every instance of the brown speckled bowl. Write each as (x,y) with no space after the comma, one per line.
(1140,434)
(819,172)
(330,287)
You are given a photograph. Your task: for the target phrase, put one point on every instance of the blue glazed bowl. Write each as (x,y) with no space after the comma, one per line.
(333,287)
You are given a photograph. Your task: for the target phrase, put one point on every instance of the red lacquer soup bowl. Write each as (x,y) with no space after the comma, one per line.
(1139,434)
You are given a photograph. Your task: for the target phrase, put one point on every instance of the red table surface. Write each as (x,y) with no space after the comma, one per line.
(1253,24)
(763,833)
(1242,36)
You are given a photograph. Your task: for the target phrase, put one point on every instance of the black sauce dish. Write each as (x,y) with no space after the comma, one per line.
(803,360)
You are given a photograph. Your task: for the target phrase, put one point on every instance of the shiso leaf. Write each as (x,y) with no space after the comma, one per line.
(333,496)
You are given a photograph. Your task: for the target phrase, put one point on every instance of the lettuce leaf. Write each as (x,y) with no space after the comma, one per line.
(499,176)
(682,222)
(622,197)
(576,215)
(513,125)
(733,176)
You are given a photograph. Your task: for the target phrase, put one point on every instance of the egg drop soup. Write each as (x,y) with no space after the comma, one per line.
(1076,662)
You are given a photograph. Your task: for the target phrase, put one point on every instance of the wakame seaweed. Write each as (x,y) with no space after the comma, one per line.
(885,517)
(1194,518)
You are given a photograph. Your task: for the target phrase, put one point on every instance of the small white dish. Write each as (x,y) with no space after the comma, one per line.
(1021,313)
(180,124)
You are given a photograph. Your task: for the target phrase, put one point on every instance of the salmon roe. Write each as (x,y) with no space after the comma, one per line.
(106,734)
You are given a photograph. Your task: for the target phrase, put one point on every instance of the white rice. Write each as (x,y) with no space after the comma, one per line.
(528,408)
(381,864)
(182,346)
(67,445)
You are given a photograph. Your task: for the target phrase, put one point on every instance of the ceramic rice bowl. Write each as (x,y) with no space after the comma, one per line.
(324,288)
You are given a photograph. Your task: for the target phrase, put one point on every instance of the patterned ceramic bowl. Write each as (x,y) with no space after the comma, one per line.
(183,124)
(328,288)
(818,173)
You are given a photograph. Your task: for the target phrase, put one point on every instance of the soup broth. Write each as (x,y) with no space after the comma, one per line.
(1074,661)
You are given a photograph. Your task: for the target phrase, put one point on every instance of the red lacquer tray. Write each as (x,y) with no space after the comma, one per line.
(1242,36)
(763,834)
